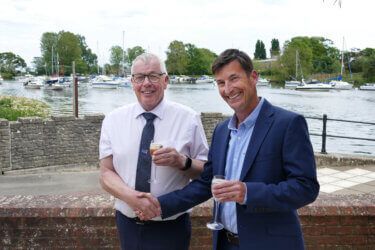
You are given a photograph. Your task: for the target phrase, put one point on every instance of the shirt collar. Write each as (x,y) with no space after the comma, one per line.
(158,110)
(250,119)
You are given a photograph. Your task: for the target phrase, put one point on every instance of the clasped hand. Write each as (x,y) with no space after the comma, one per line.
(145,206)
(229,191)
(168,157)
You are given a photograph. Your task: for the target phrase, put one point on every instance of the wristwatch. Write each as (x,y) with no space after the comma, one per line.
(187,164)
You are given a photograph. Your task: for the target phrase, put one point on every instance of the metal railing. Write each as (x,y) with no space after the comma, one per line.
(324,134)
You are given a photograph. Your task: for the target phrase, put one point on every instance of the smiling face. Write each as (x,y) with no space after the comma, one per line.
(149,94)
(238,89)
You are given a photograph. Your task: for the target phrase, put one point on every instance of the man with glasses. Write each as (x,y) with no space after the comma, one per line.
(126,166)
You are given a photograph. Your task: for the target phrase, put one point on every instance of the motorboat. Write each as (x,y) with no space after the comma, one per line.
(341,85)
(104,82)
(205,79)
(292,84)
(263,82)
(314,85)
(368,86)
(123,82)
(33,83)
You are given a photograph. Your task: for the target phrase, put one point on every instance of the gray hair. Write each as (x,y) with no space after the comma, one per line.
(147,57)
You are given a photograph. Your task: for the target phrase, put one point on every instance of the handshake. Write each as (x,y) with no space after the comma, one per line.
(145,206)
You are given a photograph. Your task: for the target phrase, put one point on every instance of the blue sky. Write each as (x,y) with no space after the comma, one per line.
(216,25)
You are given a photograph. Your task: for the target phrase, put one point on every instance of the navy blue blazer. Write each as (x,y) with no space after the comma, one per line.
(280,174)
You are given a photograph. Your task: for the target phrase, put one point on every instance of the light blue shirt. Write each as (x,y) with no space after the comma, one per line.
(238,144)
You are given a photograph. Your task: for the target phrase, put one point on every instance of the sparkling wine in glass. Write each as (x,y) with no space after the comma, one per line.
(153,147)
(215,224)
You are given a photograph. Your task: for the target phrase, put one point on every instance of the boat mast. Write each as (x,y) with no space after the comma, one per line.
(52,61)
(342,56)
(296,64)
(123,54)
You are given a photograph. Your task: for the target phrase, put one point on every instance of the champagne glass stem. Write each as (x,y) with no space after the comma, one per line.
(216,211)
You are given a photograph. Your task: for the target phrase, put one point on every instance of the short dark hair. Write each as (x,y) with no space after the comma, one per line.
(231,55)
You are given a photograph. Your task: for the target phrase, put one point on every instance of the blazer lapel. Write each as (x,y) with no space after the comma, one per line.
(262,125)
(223,135)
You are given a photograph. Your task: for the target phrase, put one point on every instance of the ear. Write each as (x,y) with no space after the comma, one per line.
(254,75)
(166,81)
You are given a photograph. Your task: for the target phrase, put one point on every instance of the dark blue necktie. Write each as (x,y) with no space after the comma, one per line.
(144,158)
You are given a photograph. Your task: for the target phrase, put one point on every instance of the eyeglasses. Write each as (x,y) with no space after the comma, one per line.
(153,77)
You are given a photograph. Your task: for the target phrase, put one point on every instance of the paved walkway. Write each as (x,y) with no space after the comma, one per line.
(333,180)
(347,180)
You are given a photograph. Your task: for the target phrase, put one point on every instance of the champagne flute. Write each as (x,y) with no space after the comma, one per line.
(215,224)
(153,147)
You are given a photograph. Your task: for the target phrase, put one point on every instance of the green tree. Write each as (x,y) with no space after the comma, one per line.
(368,64)
(260,50)
(133,53)
(89,58)
(63,48)
(177,58)
(316,54)
(275,47)
(195,65)
(39,65)
(11,64)
(69,50)
(288,59)
(47,45)
(116,59)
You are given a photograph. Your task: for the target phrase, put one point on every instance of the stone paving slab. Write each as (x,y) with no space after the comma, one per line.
(333,180)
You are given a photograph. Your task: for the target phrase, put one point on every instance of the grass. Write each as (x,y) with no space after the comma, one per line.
(13,107)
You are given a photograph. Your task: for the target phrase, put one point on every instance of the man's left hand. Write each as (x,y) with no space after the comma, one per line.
(168,157)
(229,191)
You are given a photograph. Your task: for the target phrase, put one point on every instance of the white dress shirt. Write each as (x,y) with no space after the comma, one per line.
(176,126)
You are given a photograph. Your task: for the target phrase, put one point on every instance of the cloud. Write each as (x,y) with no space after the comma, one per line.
(215,25)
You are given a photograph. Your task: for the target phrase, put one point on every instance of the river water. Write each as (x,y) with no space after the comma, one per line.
(353,105)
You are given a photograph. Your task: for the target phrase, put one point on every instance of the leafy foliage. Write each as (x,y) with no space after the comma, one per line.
(189,59)
(116,59)
(275,47)
(260,50)
(316,55)
(177,58)
(13,107)
(62,49)
(134,52)
(11,64)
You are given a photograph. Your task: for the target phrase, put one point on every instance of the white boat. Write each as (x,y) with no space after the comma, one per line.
(263,82)
(33,83)
(292,84)
(341,85)
(205,79)
(368,86)
(123,82)
(314,85)
(104,82)
(53,86)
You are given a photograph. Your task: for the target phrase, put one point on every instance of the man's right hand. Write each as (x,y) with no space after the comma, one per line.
(145,206)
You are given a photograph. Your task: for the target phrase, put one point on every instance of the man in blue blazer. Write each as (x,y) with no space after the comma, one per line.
(266,155)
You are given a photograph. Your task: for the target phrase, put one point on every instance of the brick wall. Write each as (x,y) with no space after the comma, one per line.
(86,221)
(61,140)
(4,145)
